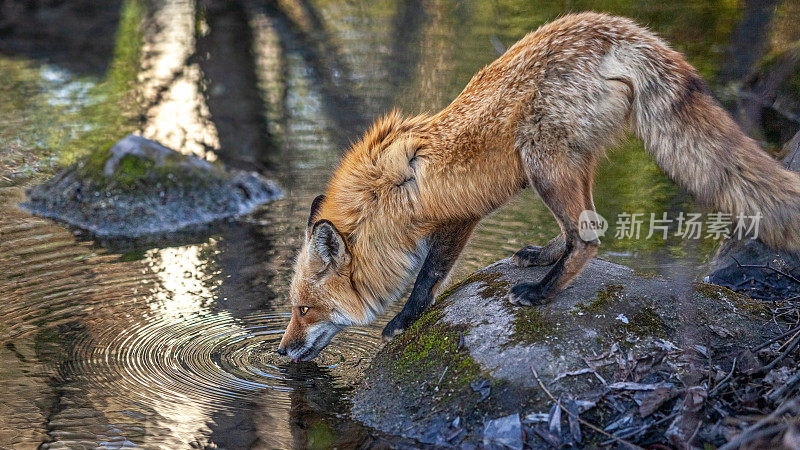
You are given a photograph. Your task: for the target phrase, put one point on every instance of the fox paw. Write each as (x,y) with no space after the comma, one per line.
(527,294)
(395,326)
(530,255)
(536,255)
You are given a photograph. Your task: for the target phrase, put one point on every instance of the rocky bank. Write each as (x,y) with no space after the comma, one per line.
(474,369)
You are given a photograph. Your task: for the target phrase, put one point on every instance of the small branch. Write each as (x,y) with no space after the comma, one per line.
(775,395)
(642,429)
(794,342)
(765,266)
(776,339)
(790,340)
(748,436)
(441,377)
(724,381)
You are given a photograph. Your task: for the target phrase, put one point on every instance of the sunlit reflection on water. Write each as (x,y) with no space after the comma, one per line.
(172,83)
(183,280)
(139,348)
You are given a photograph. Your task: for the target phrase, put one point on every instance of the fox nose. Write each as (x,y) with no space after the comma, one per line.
(281,351)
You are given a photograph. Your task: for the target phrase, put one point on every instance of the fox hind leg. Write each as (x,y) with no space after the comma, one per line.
(540,255)
(565,184)
(559,153)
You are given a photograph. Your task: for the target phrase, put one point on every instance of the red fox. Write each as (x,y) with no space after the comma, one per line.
(406,198)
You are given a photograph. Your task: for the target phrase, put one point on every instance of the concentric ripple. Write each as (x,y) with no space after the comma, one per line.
(210,360)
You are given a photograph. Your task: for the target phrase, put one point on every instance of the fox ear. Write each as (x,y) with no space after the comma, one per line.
(327,245)
(315,209)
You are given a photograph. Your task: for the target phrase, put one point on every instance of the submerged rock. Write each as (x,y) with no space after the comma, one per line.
(139,187)
(609,320)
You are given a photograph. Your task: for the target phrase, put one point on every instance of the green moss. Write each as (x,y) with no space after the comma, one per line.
(647,322)
(529,326)
(431,346)
(424,337)
(739,301)
(709,290)
(136,255)
(95,162)
(135,175)
(493,286)
(649,274)
(610,294)
(320,435)
(132,168)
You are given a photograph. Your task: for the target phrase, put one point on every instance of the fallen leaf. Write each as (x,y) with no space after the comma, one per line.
(574,424)
(721,331)
(573,373)
(650,401)
(554,422)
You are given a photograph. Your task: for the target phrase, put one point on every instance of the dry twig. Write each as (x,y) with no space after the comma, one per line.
(747,435)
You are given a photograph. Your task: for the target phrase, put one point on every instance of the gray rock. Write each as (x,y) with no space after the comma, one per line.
(141,188)
(750,267)
(608,317)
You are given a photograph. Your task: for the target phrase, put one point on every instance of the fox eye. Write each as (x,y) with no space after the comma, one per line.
(303,310)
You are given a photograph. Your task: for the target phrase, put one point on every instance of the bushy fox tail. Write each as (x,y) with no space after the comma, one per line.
(699,145)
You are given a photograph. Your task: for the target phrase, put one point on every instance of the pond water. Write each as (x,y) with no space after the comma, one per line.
(171,344)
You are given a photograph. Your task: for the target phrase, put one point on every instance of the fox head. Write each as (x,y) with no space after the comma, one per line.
(321,291)
(341,280)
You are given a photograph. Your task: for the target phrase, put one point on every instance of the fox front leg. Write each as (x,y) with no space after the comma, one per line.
(445,246)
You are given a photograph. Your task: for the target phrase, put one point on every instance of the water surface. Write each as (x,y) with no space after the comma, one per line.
(170,344)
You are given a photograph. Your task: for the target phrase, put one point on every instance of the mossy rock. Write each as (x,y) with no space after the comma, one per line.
(138,188)
(422,380)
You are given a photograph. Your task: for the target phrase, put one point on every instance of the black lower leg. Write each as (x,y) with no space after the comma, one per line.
(445,246)
(540,255)
(531,294)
